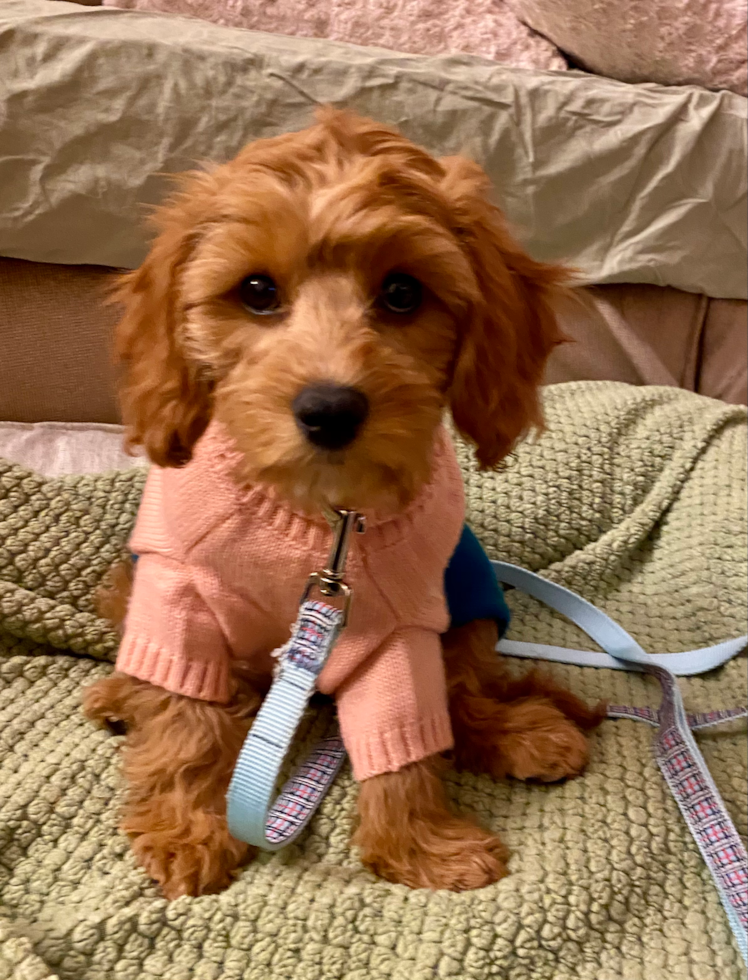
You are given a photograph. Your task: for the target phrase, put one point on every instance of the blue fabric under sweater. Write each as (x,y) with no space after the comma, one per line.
(471,586)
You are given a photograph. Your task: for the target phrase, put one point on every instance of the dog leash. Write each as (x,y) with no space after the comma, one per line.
(255,816)
(680,761)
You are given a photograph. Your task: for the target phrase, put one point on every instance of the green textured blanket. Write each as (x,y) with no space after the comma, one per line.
(634,497)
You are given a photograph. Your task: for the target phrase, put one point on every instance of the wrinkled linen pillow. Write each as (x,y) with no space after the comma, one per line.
(673,42)
(480,27)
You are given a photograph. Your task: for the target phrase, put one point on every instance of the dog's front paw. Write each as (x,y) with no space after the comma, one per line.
(198,858)
(527,739)
(453,854)
(550,749)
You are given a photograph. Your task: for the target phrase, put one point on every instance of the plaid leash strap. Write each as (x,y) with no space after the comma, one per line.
(690,782)
(698,799)
(675,749)
(254,814)
(696,721)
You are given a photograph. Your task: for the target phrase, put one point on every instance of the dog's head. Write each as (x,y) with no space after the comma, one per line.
(326,295)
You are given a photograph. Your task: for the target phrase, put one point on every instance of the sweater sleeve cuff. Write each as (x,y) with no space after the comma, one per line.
(374,753)
(148,661)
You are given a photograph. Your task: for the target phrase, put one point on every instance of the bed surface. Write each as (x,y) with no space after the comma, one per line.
(605,880)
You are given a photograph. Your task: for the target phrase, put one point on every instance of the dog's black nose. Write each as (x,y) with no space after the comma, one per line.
(330,415)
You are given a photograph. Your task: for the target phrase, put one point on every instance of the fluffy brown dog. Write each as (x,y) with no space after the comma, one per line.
(342,255)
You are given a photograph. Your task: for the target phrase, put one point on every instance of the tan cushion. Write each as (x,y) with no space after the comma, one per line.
(55,338)
(656,336)
(724,352)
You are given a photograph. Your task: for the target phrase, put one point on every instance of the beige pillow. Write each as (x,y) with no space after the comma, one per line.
(479,27)
(673,42)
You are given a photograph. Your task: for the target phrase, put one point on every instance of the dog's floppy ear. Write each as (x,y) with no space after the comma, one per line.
(165,402)
(510,329)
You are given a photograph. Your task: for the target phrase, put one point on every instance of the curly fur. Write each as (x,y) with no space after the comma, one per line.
(329,212)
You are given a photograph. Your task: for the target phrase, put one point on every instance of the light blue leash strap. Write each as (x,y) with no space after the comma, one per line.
(675,749)
(622,650)
(681,664)
(253,813)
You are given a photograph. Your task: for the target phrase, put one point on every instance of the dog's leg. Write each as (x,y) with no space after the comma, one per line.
(408,833)
(178,758)
(530,728)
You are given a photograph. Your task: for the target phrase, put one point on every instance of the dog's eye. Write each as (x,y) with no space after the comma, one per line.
(401,293)
(259,294)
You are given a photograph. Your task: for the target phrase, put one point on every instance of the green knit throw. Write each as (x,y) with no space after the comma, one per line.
(636,498)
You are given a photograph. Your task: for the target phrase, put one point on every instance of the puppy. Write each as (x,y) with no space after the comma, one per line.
(305,316)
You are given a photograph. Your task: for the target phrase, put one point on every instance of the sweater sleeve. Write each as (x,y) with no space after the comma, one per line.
(172,638)
(393,709)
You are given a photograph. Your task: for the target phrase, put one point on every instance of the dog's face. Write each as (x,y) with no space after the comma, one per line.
(326,295)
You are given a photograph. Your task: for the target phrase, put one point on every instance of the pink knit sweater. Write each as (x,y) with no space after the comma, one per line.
(221,569)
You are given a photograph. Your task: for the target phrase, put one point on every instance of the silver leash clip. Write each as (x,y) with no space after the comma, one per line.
(330,580)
